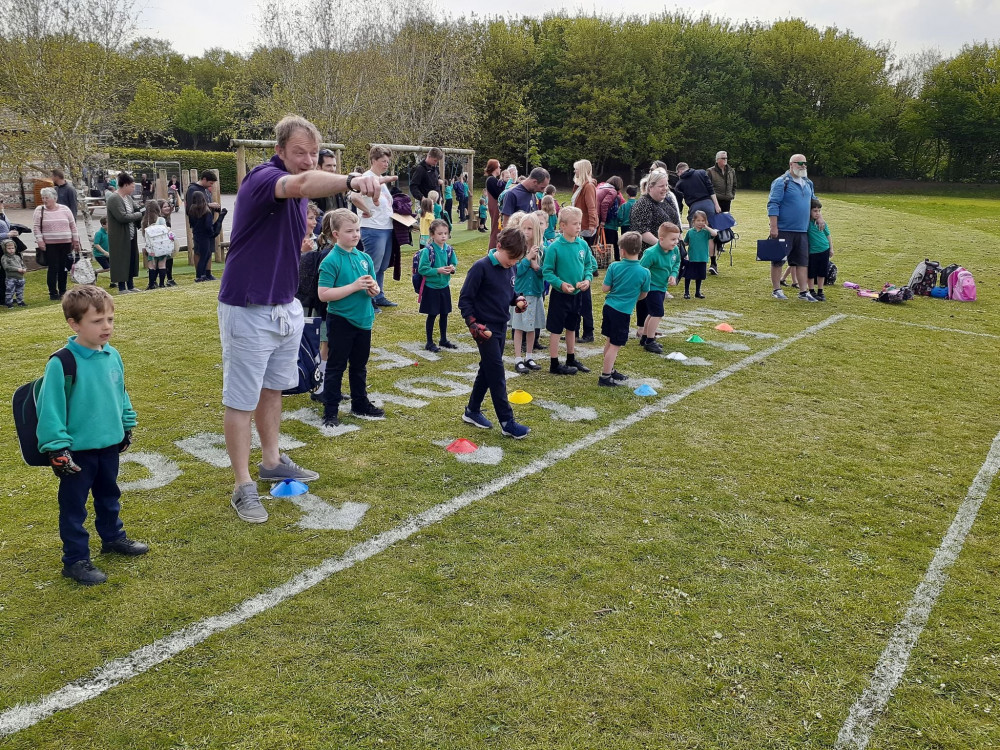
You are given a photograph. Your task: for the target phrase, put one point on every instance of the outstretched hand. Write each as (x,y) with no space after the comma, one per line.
(371,186)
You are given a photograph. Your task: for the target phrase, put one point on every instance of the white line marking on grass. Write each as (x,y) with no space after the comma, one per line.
(162,471)
(565,413)
(146,657)
(319,514)
(926,326)
(857,729)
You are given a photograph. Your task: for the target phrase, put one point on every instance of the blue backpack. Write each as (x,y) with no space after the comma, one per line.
(310,376)
(418,280)
(25,405)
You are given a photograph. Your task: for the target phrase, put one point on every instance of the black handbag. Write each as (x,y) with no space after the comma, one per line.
(41,257)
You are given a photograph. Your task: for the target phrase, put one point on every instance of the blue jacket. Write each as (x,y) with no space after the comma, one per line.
(488,291)
(790,202)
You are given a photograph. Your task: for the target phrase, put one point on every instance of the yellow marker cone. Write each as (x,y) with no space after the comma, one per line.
(519,397)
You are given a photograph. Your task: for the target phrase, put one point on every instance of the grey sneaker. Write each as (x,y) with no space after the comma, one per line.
(778,294)
(287,469)
(246,503)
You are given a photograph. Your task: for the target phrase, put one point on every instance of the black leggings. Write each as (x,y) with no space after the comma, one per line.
(430,328)
(58,256)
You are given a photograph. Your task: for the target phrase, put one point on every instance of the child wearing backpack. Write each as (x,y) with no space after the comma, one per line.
(347,284)
(820,251)
(83,426)
(437,264)
(549,207)
(426,217)
(158,244)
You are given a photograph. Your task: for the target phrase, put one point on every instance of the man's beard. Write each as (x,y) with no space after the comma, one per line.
(802,172)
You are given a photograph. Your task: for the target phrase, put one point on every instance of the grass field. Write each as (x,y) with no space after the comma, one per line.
(720,566)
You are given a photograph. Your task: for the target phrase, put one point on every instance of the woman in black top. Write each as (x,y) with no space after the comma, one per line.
(494,186)
(653,208)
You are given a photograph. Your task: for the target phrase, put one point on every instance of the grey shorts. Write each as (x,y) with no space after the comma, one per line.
(798,248)
(260,349)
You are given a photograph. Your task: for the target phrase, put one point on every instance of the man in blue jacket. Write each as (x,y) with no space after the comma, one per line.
(788,207)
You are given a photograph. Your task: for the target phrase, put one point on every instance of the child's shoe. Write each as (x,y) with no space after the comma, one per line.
(368,411)
(521,368)
(331,421)
(125,546)
(652,346)
(477,418)
(84,572)
(21,304)
(10,305)
(615,375)
(699,295)
(171,282)
(560,369)
(667,295)
(820,295)
(532,365)
(446,344)
(608,381)
(687,295)
(512,429)
(587,338)
(432,347)
(286,469)
(580,367)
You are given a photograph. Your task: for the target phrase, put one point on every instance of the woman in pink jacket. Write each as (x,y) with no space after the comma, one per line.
(56,234)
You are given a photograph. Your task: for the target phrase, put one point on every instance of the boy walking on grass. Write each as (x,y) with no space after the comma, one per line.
(663,261)
(568,266)
(84,423)
(484,302)
(625,283)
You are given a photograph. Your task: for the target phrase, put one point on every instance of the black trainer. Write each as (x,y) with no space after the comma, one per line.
(331,421)
(587,338)
(652,346)
(125,546)
(83,571)
(580,367)
(561,369)
(432,347)
(369,411)
(618,376)
(608,381)
(446,344)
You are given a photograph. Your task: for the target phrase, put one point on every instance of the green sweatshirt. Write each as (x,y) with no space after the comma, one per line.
(443,256)
(662,264)
(569,262)
(99,410)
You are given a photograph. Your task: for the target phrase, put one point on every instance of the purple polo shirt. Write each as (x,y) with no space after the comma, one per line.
(262,267)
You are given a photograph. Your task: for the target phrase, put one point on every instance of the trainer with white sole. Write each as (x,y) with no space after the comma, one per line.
(260,321)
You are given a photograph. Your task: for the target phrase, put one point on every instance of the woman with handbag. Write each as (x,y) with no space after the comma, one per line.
(57,238)
(123,244)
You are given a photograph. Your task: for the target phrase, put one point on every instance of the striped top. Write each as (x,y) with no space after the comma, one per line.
(54,226)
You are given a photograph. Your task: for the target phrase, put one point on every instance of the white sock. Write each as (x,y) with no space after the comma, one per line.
(519,358)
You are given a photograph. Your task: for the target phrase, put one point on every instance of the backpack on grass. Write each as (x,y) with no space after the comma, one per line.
(894,295)
(831,275)
(25,405)
(945,273)
(924,277)
(961,286)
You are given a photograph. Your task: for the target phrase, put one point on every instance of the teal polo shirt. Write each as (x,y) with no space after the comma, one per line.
(343,267)
(627,279)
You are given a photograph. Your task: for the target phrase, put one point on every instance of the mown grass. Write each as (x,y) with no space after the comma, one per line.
(722,575)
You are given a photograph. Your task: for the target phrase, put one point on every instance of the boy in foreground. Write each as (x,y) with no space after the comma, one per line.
(484,302)
(83,426)
(625,283)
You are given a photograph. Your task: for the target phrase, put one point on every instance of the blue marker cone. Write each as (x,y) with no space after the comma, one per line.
(288,488)
(644,390)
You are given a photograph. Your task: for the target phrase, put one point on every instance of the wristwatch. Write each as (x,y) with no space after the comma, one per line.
(350,179)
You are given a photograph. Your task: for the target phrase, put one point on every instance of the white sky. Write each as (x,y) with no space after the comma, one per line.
(193,26)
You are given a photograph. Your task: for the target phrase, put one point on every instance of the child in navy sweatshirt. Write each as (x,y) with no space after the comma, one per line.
(484,302)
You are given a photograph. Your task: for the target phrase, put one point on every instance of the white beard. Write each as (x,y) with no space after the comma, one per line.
(801,172)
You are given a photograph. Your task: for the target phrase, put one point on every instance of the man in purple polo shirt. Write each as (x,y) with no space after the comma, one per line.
(260,321)
(522,197)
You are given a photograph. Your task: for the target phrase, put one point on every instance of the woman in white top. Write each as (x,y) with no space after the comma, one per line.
(376,222)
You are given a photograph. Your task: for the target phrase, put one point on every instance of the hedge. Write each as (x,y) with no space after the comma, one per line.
(224,161)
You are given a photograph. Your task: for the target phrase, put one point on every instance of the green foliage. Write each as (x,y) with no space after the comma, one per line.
(224,161)
(197,114)
(150,113)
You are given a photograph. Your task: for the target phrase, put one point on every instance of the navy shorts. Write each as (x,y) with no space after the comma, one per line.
(819,263)
(615,325)
(798,248)
(564,312)
(654,303)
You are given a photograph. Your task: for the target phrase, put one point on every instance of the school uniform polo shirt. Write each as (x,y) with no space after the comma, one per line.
(657,260)
(627,279)
(343,267)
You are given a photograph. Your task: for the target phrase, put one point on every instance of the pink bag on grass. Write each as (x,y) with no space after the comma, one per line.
(961,286)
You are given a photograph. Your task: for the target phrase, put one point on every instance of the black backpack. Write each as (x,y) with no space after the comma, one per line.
(25,405)
(308,292)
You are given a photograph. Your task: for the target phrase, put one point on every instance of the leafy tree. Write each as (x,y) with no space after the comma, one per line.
(197,114)
(149,115)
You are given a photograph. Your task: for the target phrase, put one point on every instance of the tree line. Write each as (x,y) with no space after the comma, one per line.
(620,91)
